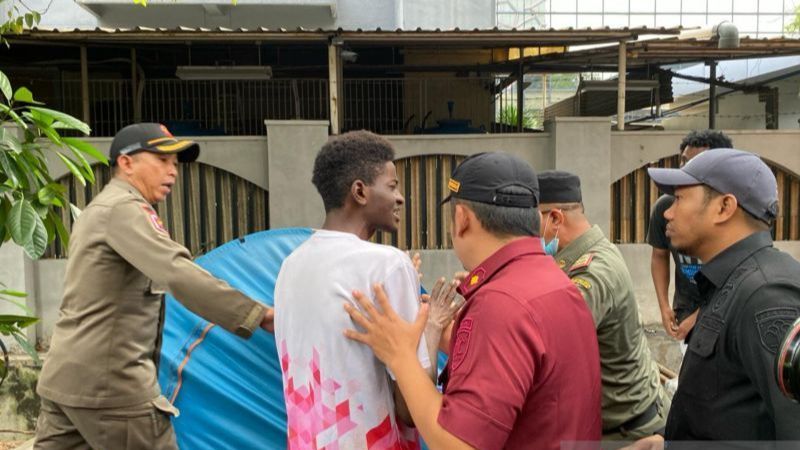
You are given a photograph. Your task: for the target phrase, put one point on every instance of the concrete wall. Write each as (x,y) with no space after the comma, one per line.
(742,111)
(246,156)
(631,150)
(293,199)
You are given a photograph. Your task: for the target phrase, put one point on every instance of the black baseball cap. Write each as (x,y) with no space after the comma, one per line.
(729,171)
(153,138)
(558,186)
(481,177)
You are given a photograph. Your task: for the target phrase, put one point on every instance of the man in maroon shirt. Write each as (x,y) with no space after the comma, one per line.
(524,369)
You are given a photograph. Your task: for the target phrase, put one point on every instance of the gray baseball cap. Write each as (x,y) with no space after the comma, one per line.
(729,171)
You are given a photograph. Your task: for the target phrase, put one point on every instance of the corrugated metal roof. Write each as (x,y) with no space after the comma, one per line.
(450,37)
(672,51)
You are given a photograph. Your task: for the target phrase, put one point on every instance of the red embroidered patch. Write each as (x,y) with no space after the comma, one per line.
(155,220)
(462,343)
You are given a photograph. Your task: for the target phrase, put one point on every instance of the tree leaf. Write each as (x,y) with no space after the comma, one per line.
(51,193)
(72,168)
(37,244)
(88,173)
(75,211)
(71,122)
(85,147)
(8,169)
(61,230)
(5,207)
(21,222)
(17,321)
(13,293)
(27,347)
(5,86)
(24,95)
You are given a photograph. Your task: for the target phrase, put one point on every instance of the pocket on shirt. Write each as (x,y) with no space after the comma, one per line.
(702,374)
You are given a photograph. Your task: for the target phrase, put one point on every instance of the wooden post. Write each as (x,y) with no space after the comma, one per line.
(622,66)
(335,87)
(85,83)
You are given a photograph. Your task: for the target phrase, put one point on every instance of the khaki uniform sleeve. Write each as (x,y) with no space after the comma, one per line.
(595,293)
(135,233)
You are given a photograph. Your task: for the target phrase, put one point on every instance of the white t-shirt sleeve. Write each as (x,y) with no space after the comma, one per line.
(402,288)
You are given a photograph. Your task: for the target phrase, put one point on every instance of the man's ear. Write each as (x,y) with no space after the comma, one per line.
(726,208)
(360,192)
(463,220)
(124,164)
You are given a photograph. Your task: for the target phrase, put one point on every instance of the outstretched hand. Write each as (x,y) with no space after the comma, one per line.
(444,303)
(392,339)
(268,321)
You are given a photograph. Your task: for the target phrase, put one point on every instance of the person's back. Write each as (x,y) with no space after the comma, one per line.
(336,390)
(563,397)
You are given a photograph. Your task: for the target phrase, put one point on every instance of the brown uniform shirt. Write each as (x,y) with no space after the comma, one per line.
(107,337)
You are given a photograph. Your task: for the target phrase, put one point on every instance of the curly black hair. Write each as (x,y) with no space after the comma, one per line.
(706,138)
(356,155)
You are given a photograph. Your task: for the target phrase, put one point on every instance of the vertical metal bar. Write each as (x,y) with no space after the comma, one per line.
(85,83)
(520,91)
(137,114)
(621,85)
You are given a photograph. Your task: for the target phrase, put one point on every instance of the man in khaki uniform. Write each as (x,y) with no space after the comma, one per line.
(634,402)
(99,384)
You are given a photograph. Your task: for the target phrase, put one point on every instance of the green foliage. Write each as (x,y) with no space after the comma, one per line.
(508,116)
(16,22)
(29,196)
(794,27)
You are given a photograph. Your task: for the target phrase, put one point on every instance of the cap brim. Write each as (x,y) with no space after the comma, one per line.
(668,179)
(187,151)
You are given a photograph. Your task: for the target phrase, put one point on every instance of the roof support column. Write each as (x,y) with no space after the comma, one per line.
(85,83)
(712,95)
(335,85)
(623,69)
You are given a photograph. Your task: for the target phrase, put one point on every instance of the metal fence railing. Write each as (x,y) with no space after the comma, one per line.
(410,105)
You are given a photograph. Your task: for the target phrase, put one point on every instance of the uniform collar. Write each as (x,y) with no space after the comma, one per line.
(491,265)
(720,267)
(125,186)
(579,247)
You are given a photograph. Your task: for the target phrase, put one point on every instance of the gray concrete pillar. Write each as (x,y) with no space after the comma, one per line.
(292,146)
(583,147)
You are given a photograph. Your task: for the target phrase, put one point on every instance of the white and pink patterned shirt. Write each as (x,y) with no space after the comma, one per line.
(337,394)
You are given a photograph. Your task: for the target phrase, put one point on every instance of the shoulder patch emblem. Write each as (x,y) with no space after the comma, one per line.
(154,219)
(582,262)
(462,343)
(582,283)
(773,324)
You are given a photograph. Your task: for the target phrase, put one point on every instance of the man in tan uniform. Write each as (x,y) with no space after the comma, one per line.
(99,384)
(634,402)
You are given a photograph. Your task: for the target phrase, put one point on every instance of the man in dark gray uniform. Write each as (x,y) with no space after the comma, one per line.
(98,385)
(725,201)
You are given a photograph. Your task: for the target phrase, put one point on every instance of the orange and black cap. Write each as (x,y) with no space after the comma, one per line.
(153,138)
(483,178)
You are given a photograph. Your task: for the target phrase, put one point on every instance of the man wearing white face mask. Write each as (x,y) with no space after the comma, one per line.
(634,403)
